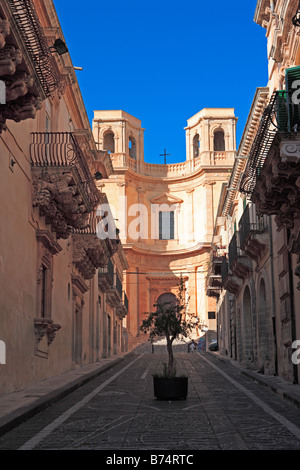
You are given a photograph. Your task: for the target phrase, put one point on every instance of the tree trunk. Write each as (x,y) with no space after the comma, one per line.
(170,369)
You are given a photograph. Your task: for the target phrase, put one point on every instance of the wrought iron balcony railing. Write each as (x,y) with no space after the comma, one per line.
(119,286)
(281,116)
(61,149)
(224,269)
(232,250)
(36,44)
(125,300)
(250,223)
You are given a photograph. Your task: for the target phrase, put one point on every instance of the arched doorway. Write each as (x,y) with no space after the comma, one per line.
(263,335)
(247,327)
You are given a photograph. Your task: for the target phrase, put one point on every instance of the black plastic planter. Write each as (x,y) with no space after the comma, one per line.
(175,388)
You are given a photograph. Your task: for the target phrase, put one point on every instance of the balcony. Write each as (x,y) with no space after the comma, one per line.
(272,174)
(114,292)
(239,266)
(214,280)
(64,189)
(253,232)
(122,308)
(238,263)
(27,67)
(106,277)
(89,251)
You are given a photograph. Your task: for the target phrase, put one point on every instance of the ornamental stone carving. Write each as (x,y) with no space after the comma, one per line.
(45,326)
(4,31)
(10,58)
(290,151)
(24,107)
(89,254)
(17,85)
(59,200)
(277,190)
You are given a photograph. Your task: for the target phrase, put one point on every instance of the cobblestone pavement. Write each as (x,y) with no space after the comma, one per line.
(224,410)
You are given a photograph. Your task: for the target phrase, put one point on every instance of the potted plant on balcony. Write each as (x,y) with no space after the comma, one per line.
(169,319)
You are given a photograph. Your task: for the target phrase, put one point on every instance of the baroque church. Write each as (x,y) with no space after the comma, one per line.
(165,213)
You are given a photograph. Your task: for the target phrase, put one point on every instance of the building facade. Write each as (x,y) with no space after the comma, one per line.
(165,212)
(62,299)
(255,260)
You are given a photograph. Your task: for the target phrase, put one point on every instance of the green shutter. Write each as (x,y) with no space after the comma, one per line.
(291,76)
(282,114)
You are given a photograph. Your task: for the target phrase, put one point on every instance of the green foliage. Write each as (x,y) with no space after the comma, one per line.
(170,320)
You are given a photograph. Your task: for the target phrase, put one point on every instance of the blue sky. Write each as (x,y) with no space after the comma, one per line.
(163,61)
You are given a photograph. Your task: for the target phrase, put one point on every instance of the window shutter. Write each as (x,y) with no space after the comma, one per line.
(172,225)
(160,225)
(292,75)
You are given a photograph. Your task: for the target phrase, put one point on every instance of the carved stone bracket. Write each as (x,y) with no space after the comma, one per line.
(59,200)
(241,267)
(4,31)
(256,247)
(290,151)
(24,54)
(89,254)
(232,284)
(277,190)
(45,326)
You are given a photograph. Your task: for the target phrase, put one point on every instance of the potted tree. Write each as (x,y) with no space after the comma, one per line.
(169,319)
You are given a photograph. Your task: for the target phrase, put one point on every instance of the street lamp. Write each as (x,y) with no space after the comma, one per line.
(59,46)
(98,176)
(296,18)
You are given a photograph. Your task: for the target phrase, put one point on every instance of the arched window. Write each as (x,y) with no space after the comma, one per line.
(167,298)
(196,146)
(219,141)
(132,147)
(109,142)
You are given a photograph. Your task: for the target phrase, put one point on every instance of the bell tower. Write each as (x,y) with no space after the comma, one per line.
(209,133)
(119,133)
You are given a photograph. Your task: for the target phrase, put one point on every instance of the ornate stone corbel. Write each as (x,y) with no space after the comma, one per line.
(58,200)
(23,108)
(45,326)
(290,152)
(4,31)
(10,58)
(52,328)
(17,85)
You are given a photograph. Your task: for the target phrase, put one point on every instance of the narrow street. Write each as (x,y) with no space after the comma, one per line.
(224,410)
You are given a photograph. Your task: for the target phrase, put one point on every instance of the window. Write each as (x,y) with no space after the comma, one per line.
(166,225)
(196,145)
(109,142)
(132,148)
(219,141)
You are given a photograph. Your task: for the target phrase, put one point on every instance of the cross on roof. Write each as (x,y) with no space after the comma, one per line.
(165,155)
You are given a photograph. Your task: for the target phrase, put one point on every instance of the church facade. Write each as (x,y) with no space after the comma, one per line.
(165,212)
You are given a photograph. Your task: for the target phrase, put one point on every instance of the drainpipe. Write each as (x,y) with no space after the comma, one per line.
(273,295)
